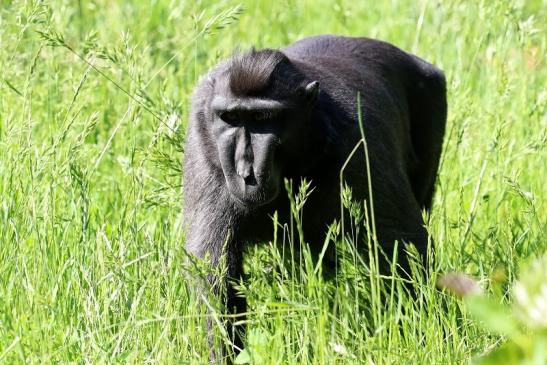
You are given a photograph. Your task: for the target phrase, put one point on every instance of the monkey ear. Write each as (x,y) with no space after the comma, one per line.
(311,91)
(211,79)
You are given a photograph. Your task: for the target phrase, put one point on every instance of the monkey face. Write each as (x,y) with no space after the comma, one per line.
(247,140)
(251,115)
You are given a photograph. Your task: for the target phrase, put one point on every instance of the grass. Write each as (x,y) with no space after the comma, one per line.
(94,97)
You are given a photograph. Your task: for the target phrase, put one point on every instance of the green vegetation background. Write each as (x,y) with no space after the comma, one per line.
(91,245)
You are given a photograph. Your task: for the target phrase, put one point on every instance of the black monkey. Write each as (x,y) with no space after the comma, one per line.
(267,115)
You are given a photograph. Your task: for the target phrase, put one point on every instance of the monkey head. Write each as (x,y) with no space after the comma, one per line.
(258,111)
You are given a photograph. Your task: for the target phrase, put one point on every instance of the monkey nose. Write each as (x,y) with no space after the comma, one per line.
(245,170)
(250,179)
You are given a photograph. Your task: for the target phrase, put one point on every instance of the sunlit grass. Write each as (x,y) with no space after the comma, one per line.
(94,98)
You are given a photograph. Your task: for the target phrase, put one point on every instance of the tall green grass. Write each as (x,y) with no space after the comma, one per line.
(94,98)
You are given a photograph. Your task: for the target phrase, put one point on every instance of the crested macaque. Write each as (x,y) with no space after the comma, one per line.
(269,115)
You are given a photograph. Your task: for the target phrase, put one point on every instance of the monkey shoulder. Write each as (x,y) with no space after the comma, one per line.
(361,53)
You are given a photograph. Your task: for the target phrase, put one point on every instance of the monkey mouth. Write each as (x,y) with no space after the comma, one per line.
(253,192)
(254,201)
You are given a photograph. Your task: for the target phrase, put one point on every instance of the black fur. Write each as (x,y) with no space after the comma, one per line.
(250,73)
(234,164)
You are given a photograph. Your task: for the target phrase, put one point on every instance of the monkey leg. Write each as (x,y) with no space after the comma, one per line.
(427,103)
(399,222)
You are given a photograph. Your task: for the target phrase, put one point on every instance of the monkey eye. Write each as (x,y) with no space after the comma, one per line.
(229,117)
(261,115)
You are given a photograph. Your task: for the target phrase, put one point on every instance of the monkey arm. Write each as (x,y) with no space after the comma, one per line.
(211,224)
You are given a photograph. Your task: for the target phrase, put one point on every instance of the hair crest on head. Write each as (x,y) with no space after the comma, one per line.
(250,73)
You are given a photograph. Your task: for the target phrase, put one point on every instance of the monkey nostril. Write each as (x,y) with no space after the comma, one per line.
(250,179)
(245,171)
(264,177)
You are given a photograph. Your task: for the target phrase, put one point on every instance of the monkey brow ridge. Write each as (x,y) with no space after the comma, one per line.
(220,103)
